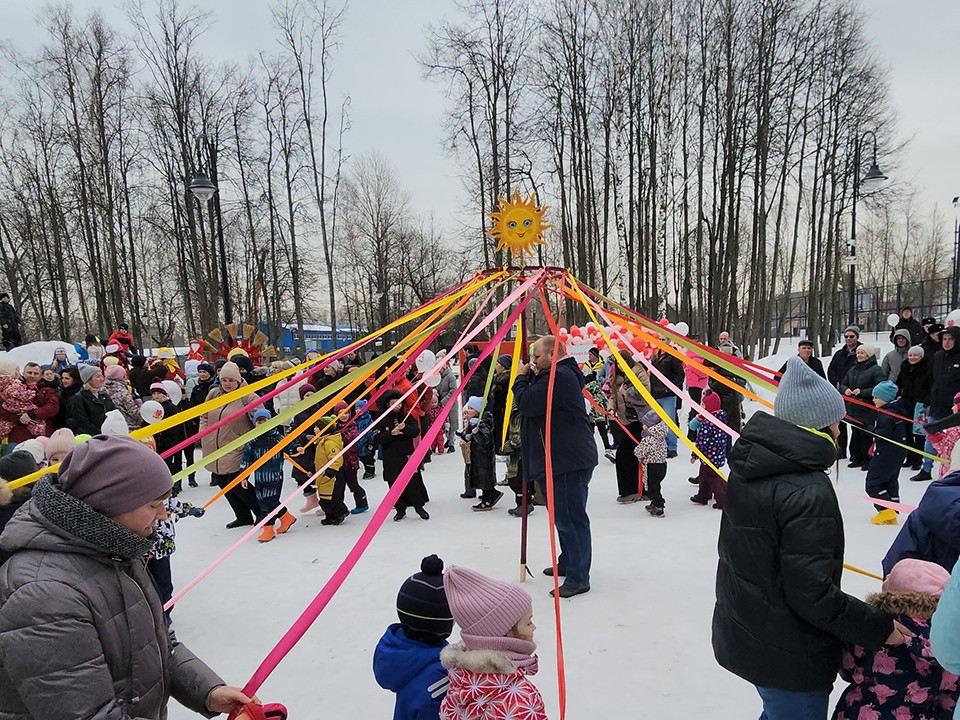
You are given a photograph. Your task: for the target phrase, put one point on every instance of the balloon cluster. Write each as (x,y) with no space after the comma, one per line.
(577,338)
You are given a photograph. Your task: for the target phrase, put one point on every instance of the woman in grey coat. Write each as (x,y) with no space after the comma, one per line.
(82,632)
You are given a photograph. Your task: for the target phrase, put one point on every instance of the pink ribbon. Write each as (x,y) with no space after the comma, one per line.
(317,605)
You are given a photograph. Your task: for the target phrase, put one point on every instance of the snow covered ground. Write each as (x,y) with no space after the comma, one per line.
(638,642)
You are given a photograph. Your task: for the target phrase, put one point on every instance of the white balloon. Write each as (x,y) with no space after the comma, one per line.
(953,318)
(682,328)
(432,380)
(173,391)
(112,348)
(151,411)
(893,319)
(671,326)
(426,360)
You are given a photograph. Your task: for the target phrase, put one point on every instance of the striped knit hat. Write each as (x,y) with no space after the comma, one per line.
(422,603)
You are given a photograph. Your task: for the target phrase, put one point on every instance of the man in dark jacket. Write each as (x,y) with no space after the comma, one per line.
(142,377)
(82,632)
(909,323)
(9,323)
(841,362)
(932,531)
(573,454)
(781,619)
(672,369)
(931,342)
(477,383)
(805,353)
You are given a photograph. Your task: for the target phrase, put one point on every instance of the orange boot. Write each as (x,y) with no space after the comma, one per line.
(267,535)
(286,522)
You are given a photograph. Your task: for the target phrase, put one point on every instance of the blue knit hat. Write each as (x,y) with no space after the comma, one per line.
(475,403)
(263,414)
(885,391)
(806,399)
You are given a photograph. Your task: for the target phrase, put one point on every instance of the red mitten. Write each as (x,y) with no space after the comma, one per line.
(252,711)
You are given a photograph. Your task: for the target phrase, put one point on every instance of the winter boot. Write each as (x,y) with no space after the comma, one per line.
(313,502)
(885,517)
(359,509)
(286,522)
(921,476)
(267,535)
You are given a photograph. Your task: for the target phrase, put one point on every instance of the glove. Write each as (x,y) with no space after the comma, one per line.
(196,512)
(330,473)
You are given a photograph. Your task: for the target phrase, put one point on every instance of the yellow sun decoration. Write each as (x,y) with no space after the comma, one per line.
(519,225)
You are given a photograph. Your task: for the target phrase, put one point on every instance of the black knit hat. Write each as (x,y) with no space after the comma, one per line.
(18,464)
(422,604)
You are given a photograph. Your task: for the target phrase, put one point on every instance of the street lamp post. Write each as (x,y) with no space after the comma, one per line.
(873,178)
(204,188)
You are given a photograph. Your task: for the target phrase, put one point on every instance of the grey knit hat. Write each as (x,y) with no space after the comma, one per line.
(916,350)
(852,328)
(806,399)
(87,372)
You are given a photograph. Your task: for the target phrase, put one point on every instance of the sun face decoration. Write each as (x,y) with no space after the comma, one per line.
(519,225)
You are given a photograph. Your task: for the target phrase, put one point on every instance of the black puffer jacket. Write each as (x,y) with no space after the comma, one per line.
(672,369)
(571,432)
(86,411)
(863,376)
(914,383)
(82,632)
(781,618)
(946,376)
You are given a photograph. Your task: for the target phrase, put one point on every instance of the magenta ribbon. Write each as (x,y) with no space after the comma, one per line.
(317,605)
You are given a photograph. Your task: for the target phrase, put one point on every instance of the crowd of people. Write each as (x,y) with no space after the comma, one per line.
(781,621)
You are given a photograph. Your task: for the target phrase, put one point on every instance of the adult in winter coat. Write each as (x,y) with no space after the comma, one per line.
(629,407)
(82,632)
(573,454)
(70,384)
(223,470)
(781,619)
(915,381)
(932,531)
(445,390)
(37,421)
(730,398)
(142,377)
(87,410)
(9,323)
(672,369)
(478,381)
(116,387)
(858,384)
(931,343)
(122,337)
(394,435)
(909,323)
(895,359)
(841,362)
(945,374)
(196,395)
(497,402)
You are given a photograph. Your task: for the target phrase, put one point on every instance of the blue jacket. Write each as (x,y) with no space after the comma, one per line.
(572,441)
(412,670)
(932,531)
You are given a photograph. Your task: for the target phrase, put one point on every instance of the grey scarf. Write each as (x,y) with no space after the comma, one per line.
(76,519)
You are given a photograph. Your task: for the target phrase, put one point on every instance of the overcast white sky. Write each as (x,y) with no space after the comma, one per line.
(398,113)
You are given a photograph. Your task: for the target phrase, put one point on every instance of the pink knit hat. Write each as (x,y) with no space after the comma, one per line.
(115,372)
(481,606)
(912,575)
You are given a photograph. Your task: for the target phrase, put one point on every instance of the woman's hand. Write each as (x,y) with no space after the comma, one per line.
(244,484)
(224,699)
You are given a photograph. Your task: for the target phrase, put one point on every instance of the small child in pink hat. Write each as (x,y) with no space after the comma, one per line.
(901,681)
(488,668)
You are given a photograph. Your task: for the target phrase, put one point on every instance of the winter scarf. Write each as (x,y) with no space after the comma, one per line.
(65,515)
(520,652)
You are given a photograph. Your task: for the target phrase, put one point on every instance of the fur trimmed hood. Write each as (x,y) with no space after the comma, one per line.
(478,661)
(913,604)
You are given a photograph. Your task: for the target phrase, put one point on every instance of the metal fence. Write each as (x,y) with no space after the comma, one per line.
(874,304)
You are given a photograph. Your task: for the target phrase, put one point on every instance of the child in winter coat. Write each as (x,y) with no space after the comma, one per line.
(884,470)
(330,485)
(514,474)
(945,442)
(301,455)
(714,443)
(478,433)
(432,416)
(489,667)
(394,437)
(407,658)
(365,446)
(351,460)
(268,478)
(158,562)
(171,436)
(471,416)
(652,453)
(901,681)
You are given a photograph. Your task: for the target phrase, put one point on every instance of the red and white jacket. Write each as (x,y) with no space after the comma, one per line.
(486,685)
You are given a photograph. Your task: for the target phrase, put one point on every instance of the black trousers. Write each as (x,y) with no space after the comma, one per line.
(859,446)
(628,467)
(335,507)
(696,394)
(188,454)
(159,569)
(359,494)
(518,486)
(842,441)
(602,430)
(653,480)
(243,501)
